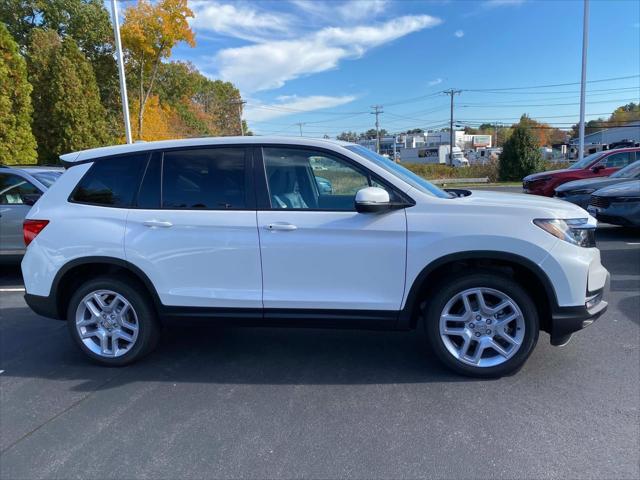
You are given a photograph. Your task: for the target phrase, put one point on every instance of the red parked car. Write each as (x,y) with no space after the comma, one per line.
(599,164)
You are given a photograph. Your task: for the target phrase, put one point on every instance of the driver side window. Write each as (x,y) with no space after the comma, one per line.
(314,180)
(617,160)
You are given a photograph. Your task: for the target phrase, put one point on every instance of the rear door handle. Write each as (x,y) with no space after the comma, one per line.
(158,223)
(281,226)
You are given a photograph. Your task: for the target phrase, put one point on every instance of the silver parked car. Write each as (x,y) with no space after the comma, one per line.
(20,188)
(579,191)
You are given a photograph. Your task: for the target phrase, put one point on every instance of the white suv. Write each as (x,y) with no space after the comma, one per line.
(305,232)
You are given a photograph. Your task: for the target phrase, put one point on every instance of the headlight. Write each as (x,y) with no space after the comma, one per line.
(574,230)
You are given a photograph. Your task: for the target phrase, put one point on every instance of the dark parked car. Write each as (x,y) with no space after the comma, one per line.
(599,164)
(579,191)
(20,188)
(617,204)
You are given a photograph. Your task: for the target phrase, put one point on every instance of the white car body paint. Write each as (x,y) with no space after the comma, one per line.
(331,260)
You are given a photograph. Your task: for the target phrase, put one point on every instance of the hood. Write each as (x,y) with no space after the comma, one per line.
(538,176)
(532,206)
(594,183)
(630,188)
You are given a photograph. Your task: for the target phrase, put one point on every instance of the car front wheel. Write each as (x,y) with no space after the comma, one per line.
(481,324)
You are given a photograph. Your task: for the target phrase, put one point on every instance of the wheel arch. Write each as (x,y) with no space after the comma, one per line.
(71,275)
(524,271)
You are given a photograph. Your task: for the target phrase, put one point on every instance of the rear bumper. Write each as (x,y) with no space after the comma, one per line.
(44,306)
(567,320)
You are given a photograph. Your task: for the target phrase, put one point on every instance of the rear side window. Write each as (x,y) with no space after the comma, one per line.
(14,190)
(111,182)
(210,179)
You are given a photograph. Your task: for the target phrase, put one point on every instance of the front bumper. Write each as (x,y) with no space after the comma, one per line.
(567,320)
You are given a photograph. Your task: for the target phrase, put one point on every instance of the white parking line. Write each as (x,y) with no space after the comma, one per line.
(17,289)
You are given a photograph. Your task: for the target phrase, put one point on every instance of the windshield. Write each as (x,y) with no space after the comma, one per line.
(586,161)
(47,178)
(408,176)
(630,171)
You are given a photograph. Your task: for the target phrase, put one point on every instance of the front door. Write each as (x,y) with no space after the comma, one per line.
(317,251)
(194,231)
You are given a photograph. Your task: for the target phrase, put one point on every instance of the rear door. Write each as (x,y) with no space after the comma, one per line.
(318,253)
(193,229)
(13,209)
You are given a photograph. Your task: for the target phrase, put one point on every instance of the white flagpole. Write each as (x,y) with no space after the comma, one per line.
(121,75)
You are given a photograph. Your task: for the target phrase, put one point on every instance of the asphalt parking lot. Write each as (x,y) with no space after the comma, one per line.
(286,403)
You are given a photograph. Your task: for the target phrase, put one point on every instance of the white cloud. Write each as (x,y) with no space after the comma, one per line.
(292,105)
(502,3)
(271,64)
(435,81)
(347,11)
(239,20)
(459,33)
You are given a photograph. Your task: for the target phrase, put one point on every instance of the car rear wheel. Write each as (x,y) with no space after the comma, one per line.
(112,322)
(482,324)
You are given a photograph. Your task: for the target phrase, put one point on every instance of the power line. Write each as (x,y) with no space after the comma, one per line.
(551,85)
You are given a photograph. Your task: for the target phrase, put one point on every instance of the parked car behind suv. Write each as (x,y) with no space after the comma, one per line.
(617,204)
(579,191)
(599,164)
(238,229)
(20,187)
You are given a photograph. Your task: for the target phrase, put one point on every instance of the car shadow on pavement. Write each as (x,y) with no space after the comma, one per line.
(209,354)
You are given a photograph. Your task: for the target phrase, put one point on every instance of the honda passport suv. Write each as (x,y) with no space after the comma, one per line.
(303,232)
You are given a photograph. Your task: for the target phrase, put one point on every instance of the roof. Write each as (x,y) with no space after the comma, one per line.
(93,153)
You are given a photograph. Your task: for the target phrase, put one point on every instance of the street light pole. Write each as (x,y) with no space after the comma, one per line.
(121,75)
(300,124)
(583,81)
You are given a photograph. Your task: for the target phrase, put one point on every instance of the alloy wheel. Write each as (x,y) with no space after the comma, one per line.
(482,327)
(107,323)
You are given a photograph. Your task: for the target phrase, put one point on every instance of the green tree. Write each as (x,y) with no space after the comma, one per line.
(17,144)
(520,155)
(86,21)
(68,115)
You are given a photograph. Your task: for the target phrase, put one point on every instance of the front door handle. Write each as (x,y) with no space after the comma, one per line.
(157,223)
(281,226)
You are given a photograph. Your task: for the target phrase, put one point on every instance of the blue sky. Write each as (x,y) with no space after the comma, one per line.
(324,63)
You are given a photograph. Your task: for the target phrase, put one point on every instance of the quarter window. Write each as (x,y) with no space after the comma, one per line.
(212,179)
(14,190)
(111,182)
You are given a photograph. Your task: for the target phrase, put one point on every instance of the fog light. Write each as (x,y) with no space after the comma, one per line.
(593,300)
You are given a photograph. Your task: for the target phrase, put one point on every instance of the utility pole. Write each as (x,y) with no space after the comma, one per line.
(121,76)
(239,102)
(451,92)
(583,81)
(300,124)
(377,110)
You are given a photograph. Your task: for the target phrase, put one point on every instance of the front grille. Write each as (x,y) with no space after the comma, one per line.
(601,202)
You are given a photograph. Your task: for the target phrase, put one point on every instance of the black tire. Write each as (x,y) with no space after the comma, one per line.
(148,327)
(452,285)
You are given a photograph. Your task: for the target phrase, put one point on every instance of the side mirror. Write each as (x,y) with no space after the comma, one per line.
(372,199)
(597,168)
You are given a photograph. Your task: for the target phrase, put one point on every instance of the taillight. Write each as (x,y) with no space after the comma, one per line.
(31,229)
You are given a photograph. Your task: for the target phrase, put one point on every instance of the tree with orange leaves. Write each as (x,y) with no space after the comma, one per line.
(149,33)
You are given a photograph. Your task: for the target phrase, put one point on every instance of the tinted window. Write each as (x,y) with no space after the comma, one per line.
(149,194)
(308,179)
(211,179)
(586,161)
(14,189)
(47,178)
(630,171)
(111,182)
